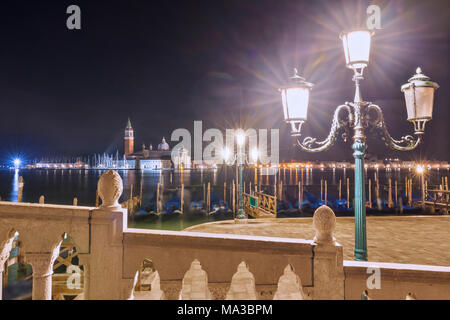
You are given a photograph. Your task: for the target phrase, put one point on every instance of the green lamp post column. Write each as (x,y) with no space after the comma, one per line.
(359,147)
(240,160)
(360,253)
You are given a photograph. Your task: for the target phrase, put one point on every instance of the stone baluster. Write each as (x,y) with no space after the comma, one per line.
(42,264)
(289,286)
(328,257)
(242,284)
(195,284)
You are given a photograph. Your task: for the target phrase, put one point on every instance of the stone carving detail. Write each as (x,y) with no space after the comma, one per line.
(265,292)
(410,296)
(219,290)
(42,263)
(195,283)
(242,284)
(171,289)
(148,285)
(289,286)
(110,189)
(5,249)
(324,223)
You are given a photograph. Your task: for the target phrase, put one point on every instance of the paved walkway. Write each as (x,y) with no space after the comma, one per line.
(413,239)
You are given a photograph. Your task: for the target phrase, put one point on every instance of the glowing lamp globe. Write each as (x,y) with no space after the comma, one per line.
(240,138)
(295,99)
(226,154)
(419,98)
(356,48)
(254,155)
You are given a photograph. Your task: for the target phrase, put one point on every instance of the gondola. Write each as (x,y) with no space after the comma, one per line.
(171,208)
(219,208)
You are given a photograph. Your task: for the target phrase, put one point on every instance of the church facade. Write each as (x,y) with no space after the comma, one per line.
(146,158)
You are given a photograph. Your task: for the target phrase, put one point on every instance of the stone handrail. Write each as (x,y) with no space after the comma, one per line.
(397,280)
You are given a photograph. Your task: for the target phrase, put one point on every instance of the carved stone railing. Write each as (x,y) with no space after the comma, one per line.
(41,229)
(169,264)
(222,257)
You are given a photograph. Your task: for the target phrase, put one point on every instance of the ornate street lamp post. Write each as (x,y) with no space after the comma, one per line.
(240,139)
(240,158)
(419,93)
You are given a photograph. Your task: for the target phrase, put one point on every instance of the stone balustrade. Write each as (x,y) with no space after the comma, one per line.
(178,265)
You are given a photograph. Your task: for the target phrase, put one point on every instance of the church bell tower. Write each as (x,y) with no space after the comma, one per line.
(129,139)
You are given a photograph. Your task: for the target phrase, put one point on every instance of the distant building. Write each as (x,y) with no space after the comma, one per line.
(182,160)
(129,139)
(60,165)
(163,146)
(146,158)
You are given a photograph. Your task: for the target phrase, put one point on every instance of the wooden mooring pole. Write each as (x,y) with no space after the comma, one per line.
(281,190)
(340,186)
(348,193)
(157,196)
(182,199)
(140,190)
(406,187)
(20,194)
(209,198)
(225,191)
(390,194)
(234,197)
(321,189)
(410,193)
(396,192)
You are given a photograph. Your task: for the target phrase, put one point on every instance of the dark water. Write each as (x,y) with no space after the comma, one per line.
(61,186)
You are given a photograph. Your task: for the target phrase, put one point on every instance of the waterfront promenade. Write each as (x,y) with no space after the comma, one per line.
(397,239)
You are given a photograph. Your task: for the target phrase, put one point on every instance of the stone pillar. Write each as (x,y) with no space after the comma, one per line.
(106,257)
(83,260)
(42,264)
(328,257)
(5,249)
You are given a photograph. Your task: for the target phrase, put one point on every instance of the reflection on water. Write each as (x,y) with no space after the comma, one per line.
(14,195)
(61,186)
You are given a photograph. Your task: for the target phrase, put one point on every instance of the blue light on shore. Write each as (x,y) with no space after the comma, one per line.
(17,162)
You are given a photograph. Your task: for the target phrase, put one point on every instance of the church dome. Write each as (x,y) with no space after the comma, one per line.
(163,146)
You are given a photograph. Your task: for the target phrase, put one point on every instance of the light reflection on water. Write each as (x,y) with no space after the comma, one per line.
(61,186)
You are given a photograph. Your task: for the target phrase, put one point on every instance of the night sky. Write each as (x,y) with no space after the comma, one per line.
(165,64)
